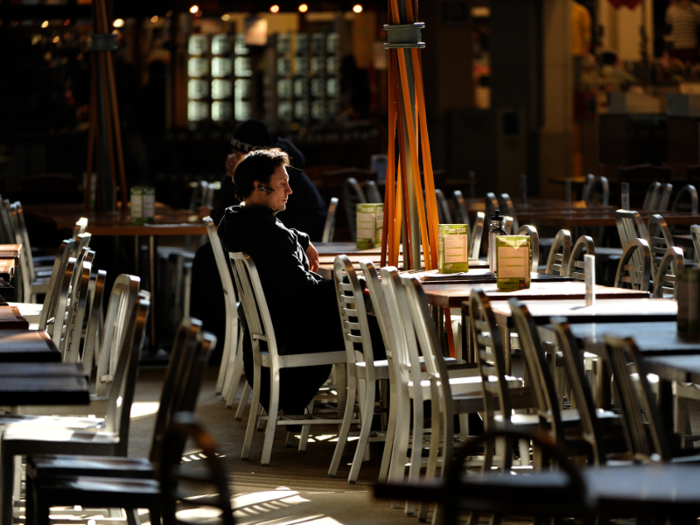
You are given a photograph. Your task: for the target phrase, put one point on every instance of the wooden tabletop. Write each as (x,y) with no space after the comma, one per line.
(652,338)
(43,384)
(27,346)
(682,368)
(452,295)
(10,251)
(11,319)
(479,275)
(608,310)
(167,222)
(600,217)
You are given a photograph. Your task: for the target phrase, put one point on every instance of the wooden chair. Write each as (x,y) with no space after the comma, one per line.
(444,213)
(462,215)
(365,374)
(181,386)
(659,238)
(633,275)
(576,268)
(329,226)
(109,438)
(531,231)
(558,258)
(589,495)
(177,485)
(665,277)
(260,329)
(352,196)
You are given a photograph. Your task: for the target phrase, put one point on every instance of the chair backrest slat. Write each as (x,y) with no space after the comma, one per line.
(584,246)
(329,226)
(559,253)
(633,274)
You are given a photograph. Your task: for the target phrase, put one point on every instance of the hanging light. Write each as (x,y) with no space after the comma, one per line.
(225,17)
(357,8)
(45,24)
(154,19)
(303,8)
(274,8)
(119,22)
(194,9)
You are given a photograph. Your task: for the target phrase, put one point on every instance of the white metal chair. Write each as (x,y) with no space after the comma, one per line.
(444,213)
(531,232)
(665,277)
(660,240)
(260,328)
(364,372)
(105,437)
(492,205)
(352,196)
(630,273)
(231,342)
(576,267)
(508,209)
(329,226)
(559,254)
(372,192)
(686,201)
(629,226)
(414,385)
(476,235)
(462,215)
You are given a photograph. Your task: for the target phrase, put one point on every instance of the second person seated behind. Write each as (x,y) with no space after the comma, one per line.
(303,305)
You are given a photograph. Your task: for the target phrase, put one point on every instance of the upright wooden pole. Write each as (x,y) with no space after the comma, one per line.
(411,206)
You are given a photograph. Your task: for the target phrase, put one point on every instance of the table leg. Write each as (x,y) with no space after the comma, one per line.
(665,404)
(152,285)
(505,338)
(137,254)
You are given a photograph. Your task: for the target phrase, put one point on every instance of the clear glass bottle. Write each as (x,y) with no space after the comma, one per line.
(495,230)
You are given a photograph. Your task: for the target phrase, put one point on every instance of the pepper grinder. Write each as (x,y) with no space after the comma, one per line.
(495,230)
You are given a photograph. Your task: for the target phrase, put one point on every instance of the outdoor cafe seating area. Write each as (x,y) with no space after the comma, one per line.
(566,398)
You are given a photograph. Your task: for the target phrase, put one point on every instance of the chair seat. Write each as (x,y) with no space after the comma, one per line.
(42,465)
(58,438)
(48,422)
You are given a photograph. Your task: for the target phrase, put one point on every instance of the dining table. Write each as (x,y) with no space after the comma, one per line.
(168,222)
(671,355)
(42,383)
(456,295)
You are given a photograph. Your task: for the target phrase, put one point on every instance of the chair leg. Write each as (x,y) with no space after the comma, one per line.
(390,436)
(224,360)
(416,450)
(397,467)
(252,416)
(243,401)
(435,434)
(306,429)
(272,416)
(344,428)
(367,413)
(234,372)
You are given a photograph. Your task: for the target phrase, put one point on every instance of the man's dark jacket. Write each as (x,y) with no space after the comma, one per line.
(302,304)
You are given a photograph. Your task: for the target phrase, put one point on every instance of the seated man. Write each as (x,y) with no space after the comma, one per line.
(302,304)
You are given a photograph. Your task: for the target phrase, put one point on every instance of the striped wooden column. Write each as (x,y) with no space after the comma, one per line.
(410,208)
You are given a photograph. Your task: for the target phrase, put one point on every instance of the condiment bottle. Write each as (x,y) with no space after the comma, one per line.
(495,230)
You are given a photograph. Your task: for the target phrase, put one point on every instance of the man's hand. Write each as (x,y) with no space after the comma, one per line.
(312,255)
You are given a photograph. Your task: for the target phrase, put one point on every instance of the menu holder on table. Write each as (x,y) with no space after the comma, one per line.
(453,248)
(513,262)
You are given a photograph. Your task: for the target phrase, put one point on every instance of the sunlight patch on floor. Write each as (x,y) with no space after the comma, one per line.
(143,409)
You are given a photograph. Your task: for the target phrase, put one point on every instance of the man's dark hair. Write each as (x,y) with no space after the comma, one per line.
(258,165)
